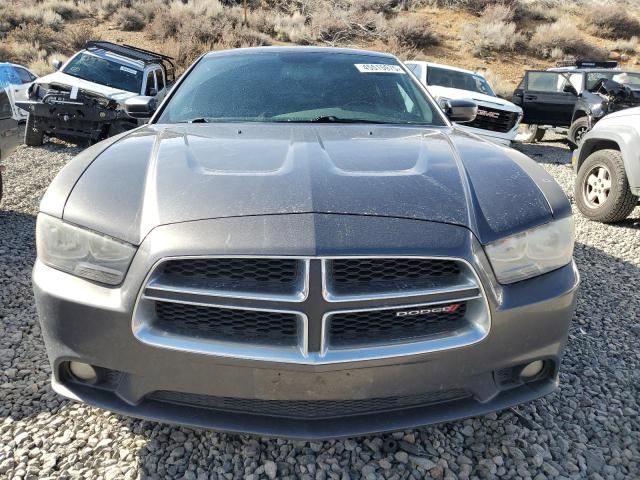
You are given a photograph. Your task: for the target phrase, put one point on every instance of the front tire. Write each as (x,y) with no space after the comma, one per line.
(578,130)
(529,133)
(602,190)
(33,134)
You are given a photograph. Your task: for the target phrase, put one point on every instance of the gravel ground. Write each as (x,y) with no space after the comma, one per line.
(590,428)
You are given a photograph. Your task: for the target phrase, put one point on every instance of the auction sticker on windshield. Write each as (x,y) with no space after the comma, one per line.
(378,68)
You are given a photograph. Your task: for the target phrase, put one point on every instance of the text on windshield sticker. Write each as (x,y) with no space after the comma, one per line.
(378,68)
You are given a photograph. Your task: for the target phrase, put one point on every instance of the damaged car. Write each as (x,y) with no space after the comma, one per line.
(83,102)
(304,245)
(571,98)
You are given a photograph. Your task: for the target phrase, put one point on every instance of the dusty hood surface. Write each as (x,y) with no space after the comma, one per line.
(64,79)
(160,175)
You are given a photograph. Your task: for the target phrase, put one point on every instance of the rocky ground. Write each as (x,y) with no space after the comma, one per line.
(590,428)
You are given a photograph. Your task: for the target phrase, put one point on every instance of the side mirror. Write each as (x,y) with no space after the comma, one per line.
(57,64)
(140,107)
(568,88)
(460,111)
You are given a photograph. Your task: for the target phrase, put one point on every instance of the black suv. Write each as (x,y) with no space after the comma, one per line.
(574,96)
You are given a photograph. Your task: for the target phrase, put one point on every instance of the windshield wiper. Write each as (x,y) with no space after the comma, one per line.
(195,120)
(334,119)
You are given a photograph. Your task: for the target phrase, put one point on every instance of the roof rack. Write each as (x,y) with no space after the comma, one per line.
(135,53)
(588,63)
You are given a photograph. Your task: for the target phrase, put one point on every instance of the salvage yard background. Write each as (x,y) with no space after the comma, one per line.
(501,36)
(590,428)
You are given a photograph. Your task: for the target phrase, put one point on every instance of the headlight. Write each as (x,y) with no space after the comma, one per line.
(533,252)
(82,252)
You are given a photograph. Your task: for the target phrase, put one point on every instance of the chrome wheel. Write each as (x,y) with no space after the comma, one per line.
(597,186)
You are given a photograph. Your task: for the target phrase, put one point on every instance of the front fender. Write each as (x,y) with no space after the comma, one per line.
(614,135)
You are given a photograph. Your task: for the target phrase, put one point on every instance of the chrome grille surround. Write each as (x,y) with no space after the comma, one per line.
(314,344)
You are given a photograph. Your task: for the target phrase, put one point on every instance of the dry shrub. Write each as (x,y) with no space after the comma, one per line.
(502,87)
(43,66)
(27,52)
(564,36)
(626,46)
(376,6)
(129,20)
(106,8)
(292,28)
(474,6)
(411,32)
(6,52)
(264,21)
(527,11)
(243,37)
(185,52)
(150,9)
(32,33)
(494,33)
(607,21)
(78,36)
(68,9)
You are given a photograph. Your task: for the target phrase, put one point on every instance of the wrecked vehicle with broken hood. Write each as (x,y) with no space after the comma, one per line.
(572,97)
(83,101)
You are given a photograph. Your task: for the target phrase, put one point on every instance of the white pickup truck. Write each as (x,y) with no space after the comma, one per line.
(83,102)
(497,119)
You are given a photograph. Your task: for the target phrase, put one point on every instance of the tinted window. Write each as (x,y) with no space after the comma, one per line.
(550,82)
(299,87)
(5,105)
(150,85)
(159,80)
(105,72)
(8,76)
(25,76)
(444,77)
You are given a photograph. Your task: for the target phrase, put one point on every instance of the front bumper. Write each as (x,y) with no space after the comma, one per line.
(86,322)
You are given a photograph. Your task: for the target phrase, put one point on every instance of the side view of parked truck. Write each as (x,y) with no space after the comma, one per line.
(83,101)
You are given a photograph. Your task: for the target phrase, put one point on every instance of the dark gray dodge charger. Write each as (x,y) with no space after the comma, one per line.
(301,244)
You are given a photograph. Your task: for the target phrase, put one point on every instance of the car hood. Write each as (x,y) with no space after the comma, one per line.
(64,79)
(158,175)
(480,98)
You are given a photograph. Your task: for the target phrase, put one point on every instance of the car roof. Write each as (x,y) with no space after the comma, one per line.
(9,64)
(581,70)
(441,65)
(298,49)
(107,55)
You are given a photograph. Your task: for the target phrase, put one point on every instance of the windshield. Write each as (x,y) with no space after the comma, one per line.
(105,72)
(299,87)
(631,79)
(444,77)
(8,76)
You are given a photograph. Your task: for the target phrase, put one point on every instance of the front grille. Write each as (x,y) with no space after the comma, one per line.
(494,120)
(386,326)
(307,409)
(213,323)
(248,275)
(378,275)
(310,310)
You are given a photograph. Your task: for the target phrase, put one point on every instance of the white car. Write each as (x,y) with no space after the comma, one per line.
(497,119)
(16,79)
